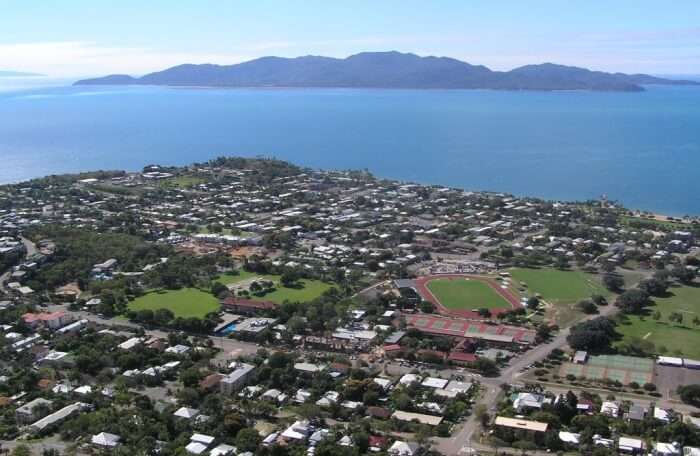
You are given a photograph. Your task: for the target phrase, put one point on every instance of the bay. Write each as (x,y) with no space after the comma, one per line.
(642,148)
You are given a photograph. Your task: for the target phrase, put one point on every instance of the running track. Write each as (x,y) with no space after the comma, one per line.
(507,294)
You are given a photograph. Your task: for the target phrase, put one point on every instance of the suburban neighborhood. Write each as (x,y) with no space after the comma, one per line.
(254,307)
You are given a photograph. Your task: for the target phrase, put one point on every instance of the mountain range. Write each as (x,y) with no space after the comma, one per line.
(389,70)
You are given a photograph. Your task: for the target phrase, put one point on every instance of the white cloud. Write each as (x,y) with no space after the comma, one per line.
(80,58)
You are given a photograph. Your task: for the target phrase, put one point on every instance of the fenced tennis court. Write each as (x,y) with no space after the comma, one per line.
(624,369)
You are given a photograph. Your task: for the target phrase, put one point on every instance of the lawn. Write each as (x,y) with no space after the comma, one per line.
(466,294)
(185,303)
(559,287)
(308,291)
(181,182)
(651,223)
(230,279)
(684,338)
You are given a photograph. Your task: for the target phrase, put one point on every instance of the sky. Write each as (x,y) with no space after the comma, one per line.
(77,38)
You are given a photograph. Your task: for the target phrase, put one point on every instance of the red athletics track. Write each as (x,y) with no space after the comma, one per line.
(509,296)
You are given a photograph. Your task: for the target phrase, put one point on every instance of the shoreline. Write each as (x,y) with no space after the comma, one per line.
(636,213)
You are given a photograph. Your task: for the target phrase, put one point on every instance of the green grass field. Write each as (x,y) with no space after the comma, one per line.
(559,287)
(462,294)
(181,182)
(684,338)
(187,302)
(310,290)
(230,279)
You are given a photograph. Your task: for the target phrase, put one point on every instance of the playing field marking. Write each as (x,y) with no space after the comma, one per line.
(647,335)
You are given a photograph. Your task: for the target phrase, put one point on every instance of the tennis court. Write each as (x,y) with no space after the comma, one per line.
(624,369)
(622,362)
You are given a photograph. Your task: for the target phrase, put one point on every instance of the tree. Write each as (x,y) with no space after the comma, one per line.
(587,306)
(533,302)
(485,366)
(427,307)
(690,394)
(654,286)
(484,312)
(247,439)
(632,301)
(544,330)
(234,422)
(599,300)
(677,317)
(290,278)
(190,377)
(595,334)
(613,282)
(218,289)
(683,274)
(309,411)
(481,414)
(162,317)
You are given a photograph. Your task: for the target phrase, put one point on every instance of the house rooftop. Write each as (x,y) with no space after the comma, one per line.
(527,425)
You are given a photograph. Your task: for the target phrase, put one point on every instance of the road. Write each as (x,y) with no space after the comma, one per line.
(29,246)
(491,389)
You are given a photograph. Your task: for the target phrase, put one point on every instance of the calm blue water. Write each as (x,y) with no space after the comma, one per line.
(640,148)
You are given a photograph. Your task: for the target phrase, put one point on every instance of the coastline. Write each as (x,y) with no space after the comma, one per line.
(637,213)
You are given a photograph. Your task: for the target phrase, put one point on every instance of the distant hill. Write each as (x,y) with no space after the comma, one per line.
(386,70)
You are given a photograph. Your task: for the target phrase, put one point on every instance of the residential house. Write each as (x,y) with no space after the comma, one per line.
(105,440)
(402,448)
(610,408)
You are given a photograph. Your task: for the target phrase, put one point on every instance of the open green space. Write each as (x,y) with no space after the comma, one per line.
(557,286)
(241,276)
(185,303)
(466,294)
(669,337)
(308,290)
(181,182)
(651,223)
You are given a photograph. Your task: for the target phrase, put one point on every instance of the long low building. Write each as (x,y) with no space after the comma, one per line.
(419,417)
(57,416)
(500,335)
(527,425)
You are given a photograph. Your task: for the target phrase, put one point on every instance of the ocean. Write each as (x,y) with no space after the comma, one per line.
(642,148)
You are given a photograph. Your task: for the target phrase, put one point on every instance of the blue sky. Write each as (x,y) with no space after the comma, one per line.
(80,38)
